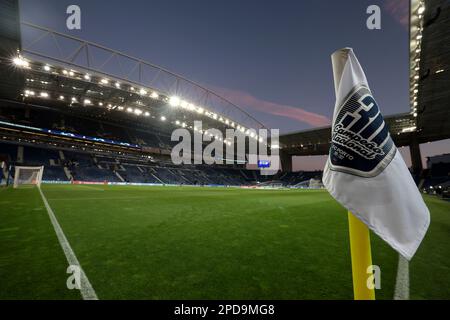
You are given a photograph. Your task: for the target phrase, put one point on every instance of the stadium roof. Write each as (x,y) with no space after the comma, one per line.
(73,75)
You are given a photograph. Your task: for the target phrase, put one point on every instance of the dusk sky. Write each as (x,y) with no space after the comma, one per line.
(272,58)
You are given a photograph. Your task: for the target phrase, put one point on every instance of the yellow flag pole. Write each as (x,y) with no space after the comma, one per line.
(358,231)
(361,258)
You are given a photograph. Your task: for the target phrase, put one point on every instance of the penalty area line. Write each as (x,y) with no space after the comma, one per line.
(86,289)
(402,280)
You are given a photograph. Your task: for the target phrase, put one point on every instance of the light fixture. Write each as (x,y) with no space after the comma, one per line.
(183,104)
(421,9)
(21,62)
(61,97)
(154,95)
(47,68)
(163,118)
(43,95)
(104,81)
(142,92)
(117,85)
(174,101)
(87,77)
(87,101)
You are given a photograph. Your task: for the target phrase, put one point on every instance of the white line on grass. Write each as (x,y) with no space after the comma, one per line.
(87,291)
(402,280)
(97,198)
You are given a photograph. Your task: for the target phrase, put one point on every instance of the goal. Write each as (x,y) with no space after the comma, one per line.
(28,176)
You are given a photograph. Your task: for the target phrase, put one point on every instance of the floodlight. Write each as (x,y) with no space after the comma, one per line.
(155,95)
(43,95)
(163,118)
(183,104)
(47,68)
(21,62)
(174,101)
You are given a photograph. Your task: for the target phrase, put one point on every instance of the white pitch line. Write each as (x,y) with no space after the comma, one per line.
(402,280)
(87,291)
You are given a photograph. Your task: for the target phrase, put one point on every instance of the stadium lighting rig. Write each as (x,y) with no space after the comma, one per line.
(172,101)
(416,47)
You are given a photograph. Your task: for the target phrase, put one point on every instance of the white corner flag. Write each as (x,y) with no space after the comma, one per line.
(365,172)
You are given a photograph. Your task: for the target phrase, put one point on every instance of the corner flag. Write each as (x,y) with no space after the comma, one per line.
(365,172)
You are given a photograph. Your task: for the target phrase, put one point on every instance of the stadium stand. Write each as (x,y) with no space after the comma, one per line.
(64,166)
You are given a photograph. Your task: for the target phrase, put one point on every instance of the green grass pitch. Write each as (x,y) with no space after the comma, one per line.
(200,243)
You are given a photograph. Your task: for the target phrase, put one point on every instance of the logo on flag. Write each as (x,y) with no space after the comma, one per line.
(361,144)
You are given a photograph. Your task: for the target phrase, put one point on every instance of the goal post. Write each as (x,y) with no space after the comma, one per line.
(28,176)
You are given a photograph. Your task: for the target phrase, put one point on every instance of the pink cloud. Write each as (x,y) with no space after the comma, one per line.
(244,99)
(399,10)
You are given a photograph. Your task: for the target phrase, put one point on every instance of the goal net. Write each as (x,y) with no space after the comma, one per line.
(28,176)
